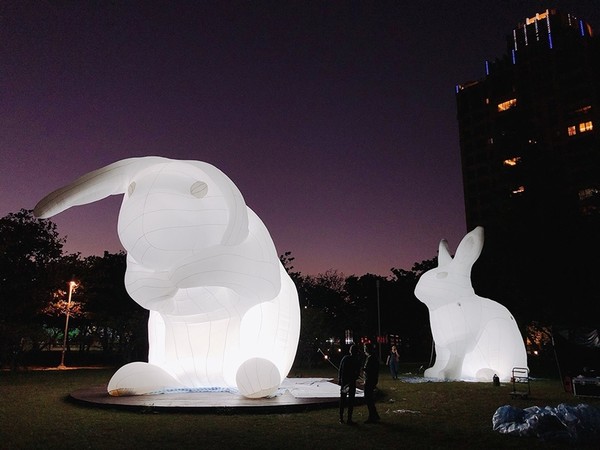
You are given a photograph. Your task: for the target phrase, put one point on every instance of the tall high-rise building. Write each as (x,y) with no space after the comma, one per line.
(530,147)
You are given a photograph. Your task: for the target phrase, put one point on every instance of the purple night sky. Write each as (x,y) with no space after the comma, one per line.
(337,120)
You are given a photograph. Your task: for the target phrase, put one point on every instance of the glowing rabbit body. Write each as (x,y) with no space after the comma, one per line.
(474,337)
(223,311)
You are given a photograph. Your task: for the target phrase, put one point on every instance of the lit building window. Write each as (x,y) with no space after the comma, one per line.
(583,110)
(507,104)
(538,16)
(588,193)
(572,130)
(585,126)
(589,201)
(511,162)
(518,191)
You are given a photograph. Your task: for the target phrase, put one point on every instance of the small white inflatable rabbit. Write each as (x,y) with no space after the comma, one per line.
(475,337)
(223,310)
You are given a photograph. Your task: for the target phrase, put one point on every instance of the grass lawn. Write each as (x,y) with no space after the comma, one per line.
(34,413)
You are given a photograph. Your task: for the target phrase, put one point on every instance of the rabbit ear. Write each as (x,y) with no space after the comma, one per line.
(444,256)
(109,180)
(469,249)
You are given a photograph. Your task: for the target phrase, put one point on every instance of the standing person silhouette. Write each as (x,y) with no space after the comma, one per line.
(348,373)
(393,360)
(371,373)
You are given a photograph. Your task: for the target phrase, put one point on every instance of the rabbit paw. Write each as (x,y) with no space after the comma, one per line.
(140,378)
(257,378)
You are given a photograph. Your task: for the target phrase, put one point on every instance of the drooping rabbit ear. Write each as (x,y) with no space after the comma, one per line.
(469,249)
(444,256)
(109,180)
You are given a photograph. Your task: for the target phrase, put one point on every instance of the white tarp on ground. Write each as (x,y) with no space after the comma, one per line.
(312,388)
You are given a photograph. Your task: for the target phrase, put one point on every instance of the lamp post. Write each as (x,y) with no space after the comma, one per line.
(72,286)
(378,321)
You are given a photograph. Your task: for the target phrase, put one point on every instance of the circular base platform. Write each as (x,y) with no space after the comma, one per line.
(209,402)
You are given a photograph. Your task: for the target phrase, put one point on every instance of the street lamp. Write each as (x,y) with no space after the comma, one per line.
(378,321)
(72,285)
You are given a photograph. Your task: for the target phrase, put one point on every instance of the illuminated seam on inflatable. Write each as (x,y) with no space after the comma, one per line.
(474,337)
(223,311)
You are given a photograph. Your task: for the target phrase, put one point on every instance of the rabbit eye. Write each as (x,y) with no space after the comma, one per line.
(441,275)
(199,189)
(131,188)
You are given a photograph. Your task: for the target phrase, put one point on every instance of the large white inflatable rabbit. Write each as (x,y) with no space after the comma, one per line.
(475,337)
(223,311)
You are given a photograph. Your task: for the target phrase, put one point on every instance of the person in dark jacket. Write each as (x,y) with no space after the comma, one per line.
(371,374)
(348,373)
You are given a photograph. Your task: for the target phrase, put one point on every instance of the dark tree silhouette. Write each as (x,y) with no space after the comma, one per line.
(29,249)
